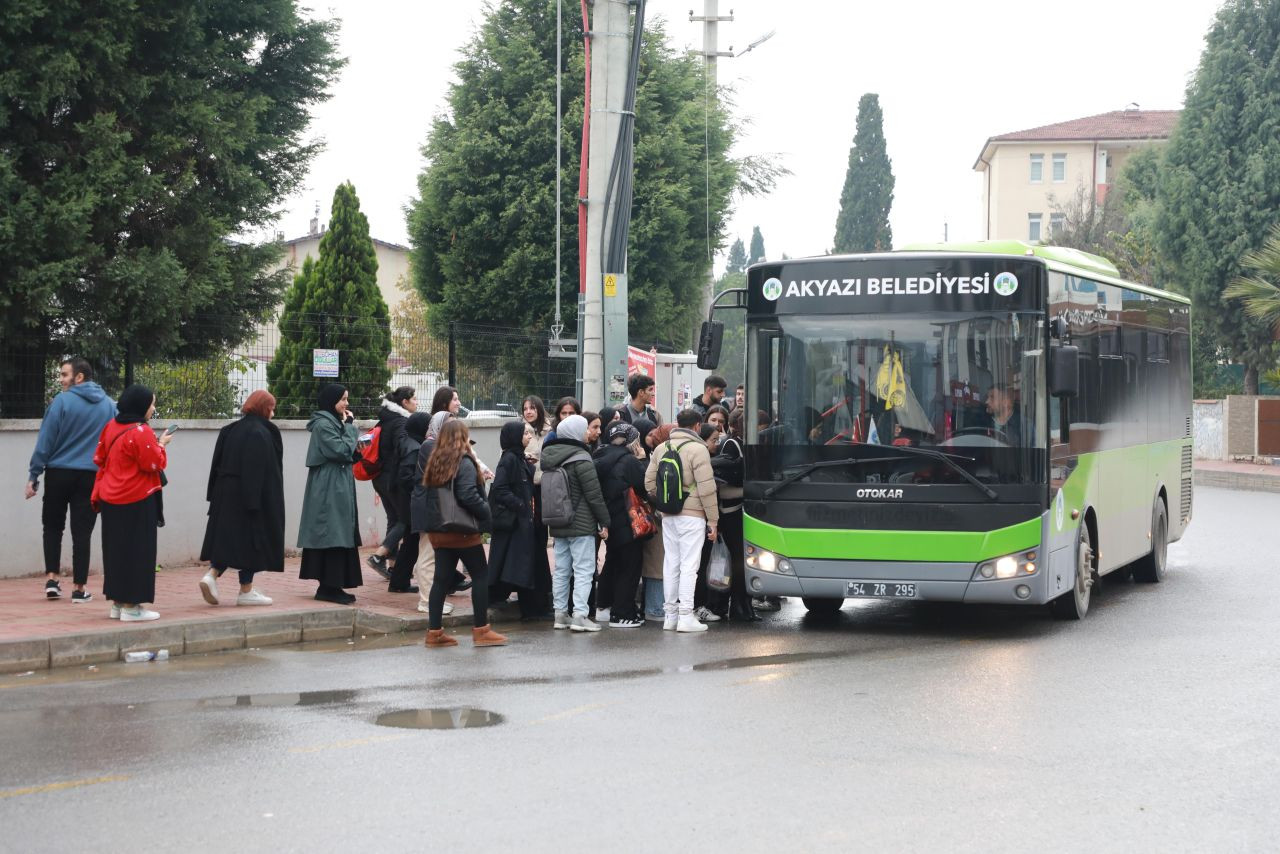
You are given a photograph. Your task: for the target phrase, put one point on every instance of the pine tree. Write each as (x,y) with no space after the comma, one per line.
(737,261)
(863,222)
(1219,195)
(757,247)
(335,304)
(137,140)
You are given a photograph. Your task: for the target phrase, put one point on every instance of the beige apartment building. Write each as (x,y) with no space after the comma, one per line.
(1029,176)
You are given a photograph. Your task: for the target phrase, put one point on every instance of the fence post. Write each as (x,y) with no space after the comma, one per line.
(453,355)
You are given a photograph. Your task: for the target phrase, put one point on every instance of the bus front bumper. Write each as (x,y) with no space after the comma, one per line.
(918,581)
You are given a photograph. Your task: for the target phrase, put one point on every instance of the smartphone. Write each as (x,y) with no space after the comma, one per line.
(171,429)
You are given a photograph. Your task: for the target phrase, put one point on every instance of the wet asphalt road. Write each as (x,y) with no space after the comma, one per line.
(1151,726)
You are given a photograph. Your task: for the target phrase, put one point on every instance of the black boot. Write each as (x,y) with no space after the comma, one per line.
(742,610)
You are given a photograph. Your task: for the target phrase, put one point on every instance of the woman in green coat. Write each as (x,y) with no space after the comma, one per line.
(329,533)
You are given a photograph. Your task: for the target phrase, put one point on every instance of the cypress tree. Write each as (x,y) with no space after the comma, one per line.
(1220,191)
(757,246)
(335,304)
(863,222)
(737,261)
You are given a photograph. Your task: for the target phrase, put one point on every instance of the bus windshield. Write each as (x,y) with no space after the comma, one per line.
(967,384)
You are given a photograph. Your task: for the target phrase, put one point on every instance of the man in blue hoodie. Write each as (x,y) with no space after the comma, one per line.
(64,455)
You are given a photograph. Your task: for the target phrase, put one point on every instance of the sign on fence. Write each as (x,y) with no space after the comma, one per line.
(324,363)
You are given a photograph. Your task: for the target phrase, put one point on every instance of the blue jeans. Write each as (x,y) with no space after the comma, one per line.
(575,556)
(653,597)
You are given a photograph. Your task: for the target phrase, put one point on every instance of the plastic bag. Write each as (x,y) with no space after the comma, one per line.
(718,566)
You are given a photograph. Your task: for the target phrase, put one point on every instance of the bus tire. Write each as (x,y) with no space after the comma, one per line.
(1074,604)
(1150,568)
(822,606)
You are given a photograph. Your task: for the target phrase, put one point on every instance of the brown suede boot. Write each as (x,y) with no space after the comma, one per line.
(485,636)
(437,637)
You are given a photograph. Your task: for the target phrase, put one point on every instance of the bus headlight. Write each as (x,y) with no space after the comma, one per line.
(766,561)
(1007,566)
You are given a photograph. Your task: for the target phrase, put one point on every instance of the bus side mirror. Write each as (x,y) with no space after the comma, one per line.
(1064,371)
(709,341)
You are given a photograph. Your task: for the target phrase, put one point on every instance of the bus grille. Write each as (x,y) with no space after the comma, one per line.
(1188,433)
(1186,461)
(1186,499)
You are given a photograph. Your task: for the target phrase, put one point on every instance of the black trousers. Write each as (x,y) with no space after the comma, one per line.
(406,553)
(622,563)
(446,564)
(68,489)
(396,524)
(731,531)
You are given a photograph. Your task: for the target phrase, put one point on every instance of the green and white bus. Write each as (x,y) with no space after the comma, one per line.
(996,423)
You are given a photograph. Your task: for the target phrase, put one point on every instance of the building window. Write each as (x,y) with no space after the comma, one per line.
(1057,224)
(1033,226)
(1037,168)
(1059,168)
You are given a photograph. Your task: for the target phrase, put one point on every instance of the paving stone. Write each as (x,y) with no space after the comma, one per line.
(21,656)
(213,636)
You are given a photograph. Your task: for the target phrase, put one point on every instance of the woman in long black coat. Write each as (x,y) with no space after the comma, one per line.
(246,502)
(511,500)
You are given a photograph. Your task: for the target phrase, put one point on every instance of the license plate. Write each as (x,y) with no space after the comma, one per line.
(879,590)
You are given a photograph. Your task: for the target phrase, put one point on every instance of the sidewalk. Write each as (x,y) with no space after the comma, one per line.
(1233,475)
(38,633)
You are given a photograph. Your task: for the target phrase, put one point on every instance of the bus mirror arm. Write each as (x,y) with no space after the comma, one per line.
(1064,371)
(711,336)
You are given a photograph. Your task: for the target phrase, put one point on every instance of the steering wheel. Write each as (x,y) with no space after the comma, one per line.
(982,431)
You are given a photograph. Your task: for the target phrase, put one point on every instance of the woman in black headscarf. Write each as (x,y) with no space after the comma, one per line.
(511,502)
(126,491)
(328,533)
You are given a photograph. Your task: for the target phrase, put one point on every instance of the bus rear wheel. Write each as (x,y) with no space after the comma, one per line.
(822,606)
(1150,569)
(1074,604)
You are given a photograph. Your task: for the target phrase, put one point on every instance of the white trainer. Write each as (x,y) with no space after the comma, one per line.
(115,611)
(253,597)
(209,587)
(426,609)
(690,623)
(670,621)
(138,614)
(582,623)
(562,621)
(706,615)
(602,615)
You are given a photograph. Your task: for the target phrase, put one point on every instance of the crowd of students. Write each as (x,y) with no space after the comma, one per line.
(649,497)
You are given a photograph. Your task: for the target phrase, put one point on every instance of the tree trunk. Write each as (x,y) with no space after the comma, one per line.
(1250,379)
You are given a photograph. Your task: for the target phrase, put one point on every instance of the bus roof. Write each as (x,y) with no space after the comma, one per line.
(1060,258)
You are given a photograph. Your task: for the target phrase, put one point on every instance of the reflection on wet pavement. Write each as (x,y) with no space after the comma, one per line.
(439,718)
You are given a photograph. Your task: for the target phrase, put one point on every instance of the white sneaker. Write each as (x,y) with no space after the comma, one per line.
(115,611)
(253,597)
(563,621)
(706,615)
(209,587)
(689,623)
(426,609)
(669,622)
(602,615)
(138,614)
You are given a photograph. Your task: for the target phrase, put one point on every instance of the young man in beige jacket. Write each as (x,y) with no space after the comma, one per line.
(682,534)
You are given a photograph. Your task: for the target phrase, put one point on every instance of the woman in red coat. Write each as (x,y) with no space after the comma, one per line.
(130,458)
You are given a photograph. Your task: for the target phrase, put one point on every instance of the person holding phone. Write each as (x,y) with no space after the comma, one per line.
(328,532)
(126,491)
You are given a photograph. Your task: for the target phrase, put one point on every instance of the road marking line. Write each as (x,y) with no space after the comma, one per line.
(341,745)
(58,787)
(568,713)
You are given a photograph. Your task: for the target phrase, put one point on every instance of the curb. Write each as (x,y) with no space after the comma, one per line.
(1238,480)
(198,636)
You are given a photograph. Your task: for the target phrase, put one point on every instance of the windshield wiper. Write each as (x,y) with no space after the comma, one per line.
(951,464)
(823,464)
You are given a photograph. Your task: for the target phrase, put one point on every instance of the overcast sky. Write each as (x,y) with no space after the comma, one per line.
(949,74)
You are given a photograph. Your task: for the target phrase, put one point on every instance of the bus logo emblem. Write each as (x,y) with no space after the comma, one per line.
(1005,284)
(772,289)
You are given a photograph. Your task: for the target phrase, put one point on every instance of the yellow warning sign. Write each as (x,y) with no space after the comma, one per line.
(610,285)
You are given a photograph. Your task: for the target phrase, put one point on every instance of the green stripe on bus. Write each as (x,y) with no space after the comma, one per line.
(943,546)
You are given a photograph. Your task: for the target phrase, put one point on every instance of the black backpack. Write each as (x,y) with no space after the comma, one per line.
(669,489)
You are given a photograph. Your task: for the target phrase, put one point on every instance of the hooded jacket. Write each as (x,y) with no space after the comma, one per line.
(329,498)
(619,470)
(391,418)
(70,430)
(589,511)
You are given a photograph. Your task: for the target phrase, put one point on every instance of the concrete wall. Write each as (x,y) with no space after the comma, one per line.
(184,498)
(1210,439)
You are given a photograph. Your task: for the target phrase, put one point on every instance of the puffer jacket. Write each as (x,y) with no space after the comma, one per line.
(619,470)
(589,511)
(699,478)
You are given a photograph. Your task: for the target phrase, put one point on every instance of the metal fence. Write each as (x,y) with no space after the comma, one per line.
(492,367)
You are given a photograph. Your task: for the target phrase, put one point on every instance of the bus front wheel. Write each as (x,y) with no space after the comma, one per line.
(1074,604)
(822,606)
(1150,568)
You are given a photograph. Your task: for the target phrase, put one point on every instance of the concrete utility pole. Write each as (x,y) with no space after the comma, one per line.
(711,53)
(610,44)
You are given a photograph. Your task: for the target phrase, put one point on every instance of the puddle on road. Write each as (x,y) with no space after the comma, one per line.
(461,718)
(297,698)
